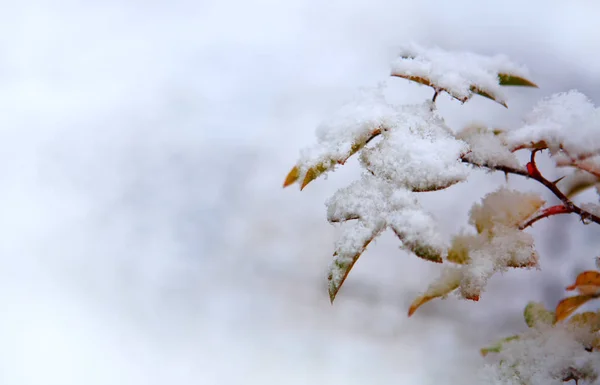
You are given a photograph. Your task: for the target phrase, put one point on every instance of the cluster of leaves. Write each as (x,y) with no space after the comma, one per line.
(416,152)
(573,342)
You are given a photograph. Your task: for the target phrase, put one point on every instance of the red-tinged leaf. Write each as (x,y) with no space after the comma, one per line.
(587,283)
(292,176)
(513,80)
(568,305)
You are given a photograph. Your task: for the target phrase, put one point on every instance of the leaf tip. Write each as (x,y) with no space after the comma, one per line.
(292,176)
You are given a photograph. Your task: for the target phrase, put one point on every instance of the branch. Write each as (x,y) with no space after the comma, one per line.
(534,173)
(548,212)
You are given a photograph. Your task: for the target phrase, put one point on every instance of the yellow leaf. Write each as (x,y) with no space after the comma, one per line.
(446,283)
(292,176)
(513,80)
(568,305)
(588,319)
(587,283)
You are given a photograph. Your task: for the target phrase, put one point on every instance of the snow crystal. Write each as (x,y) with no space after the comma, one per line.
(418,153)
(568,120)
(456,72)
(487,149)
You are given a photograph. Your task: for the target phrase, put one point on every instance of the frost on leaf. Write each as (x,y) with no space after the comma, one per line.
(460,74)
(566,121)
(419,152)
(498,244)
(373,205)
(342,135)
(536,314)
(504,207)
(547,355)
(487,149)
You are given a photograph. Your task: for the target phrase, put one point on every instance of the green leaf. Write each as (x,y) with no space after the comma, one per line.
(536,314)
(497,347)
(513,80)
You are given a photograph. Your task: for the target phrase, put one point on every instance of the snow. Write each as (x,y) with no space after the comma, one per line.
(486,148)
(543,355)
(373,204)
(457,72)
(567,120)
(418,152)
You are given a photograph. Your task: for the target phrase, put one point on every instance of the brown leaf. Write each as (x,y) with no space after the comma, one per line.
(587,283)
(568,305)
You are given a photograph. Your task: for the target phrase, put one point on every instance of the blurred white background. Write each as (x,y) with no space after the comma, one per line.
(146,238)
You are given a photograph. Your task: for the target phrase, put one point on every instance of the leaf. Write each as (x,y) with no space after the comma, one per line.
(292,176)
(487,94)
(577,182)
(320,168)
(568,305)
(460,247)
(536,314)
(497,347)
(587,283)
(313,172)
(446,283)
(417,79)
(512,80)
(457,73)
(588,319)
(347,255)
(374,205)
(419,248)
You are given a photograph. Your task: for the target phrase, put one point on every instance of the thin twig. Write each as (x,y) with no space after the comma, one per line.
(533,173)
(548,212)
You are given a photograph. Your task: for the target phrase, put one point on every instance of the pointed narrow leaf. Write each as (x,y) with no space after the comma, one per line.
(446,283)
(486,94)
(350,248)
(292,176)
(513,80)
(568,305)
(417,79)
(317,170)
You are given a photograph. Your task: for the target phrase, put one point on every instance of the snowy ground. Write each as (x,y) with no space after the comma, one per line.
(145,236)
